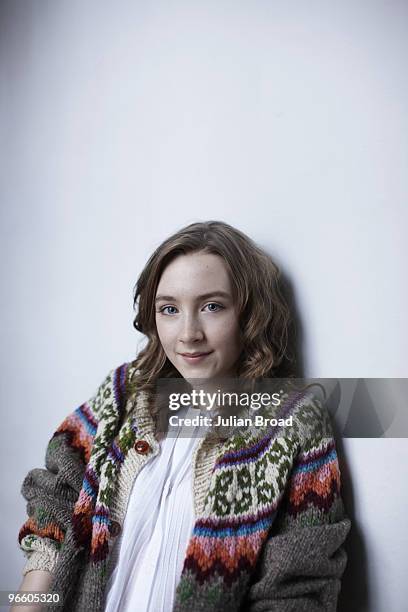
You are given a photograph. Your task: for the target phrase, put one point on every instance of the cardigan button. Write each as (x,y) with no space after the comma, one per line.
(114,528)
(142,447)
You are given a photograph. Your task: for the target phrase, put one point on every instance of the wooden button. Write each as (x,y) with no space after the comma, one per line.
(142,447)
(114,528)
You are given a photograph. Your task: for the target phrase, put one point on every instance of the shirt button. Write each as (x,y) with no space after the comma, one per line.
(114,528)
(142,447)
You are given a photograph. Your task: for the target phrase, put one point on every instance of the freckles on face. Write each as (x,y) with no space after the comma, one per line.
(224,331)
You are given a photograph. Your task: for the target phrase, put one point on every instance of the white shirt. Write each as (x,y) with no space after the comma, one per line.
(157,527)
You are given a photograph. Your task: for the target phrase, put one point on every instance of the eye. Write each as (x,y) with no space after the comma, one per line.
(218,306)
(164,308)
(213,307)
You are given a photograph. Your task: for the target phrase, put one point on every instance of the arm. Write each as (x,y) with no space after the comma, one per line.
(52,492)
(303,560)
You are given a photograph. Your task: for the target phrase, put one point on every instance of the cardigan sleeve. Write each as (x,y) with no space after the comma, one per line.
(303,559)
(51,492)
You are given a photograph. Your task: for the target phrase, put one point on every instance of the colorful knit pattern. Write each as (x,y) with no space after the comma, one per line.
(260,483)
(315,480)
(91,512)
(245,492)
(80,428)
(77,438)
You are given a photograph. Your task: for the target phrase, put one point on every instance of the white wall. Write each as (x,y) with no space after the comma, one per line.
(122,122)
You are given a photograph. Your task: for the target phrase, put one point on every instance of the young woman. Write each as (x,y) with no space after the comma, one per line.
(125,517)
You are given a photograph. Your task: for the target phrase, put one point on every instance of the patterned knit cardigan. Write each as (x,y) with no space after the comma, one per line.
(269,519)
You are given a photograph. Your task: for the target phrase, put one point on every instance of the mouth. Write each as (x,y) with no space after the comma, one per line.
(194,357)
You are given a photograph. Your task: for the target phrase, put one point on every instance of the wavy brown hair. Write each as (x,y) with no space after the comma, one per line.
(264,315)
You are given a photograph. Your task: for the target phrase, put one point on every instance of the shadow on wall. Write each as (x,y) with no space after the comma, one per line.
(294,364)
(354,594)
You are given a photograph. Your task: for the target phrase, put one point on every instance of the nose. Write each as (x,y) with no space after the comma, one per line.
(191,330)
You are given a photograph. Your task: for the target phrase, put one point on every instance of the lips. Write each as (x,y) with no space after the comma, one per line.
(194,357)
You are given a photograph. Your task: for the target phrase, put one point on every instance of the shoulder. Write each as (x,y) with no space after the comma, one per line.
(312,419)
(114,391)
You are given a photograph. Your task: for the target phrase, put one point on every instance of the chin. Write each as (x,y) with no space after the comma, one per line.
(196,372)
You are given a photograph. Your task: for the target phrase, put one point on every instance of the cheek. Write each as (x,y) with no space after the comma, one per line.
(167,333)
(162,333)
(227,334)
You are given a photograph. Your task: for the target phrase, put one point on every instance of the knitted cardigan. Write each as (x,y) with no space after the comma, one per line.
(269,519)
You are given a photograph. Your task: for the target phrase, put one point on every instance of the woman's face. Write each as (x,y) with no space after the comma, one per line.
(195,313)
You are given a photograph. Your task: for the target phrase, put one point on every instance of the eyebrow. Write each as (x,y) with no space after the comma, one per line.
(204,296)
